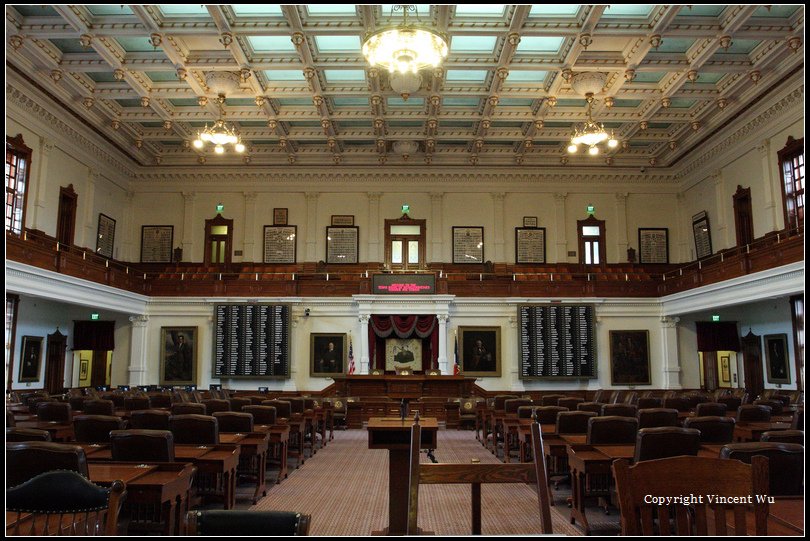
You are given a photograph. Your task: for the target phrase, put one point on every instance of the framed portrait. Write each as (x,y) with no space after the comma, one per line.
(530,245)
(725,369)
(279,243)
(105,237)
(327,354)
(630,358)
(479,349)
(156,243)
(178,355)
(703,235)
(342,219)
(83,365)
(279,216)
(30,358)
(530,221)
(403,354)
(653,245)
(776,358)
(468,244)
(342,244)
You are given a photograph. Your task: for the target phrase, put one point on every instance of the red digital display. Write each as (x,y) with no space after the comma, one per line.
(389,284)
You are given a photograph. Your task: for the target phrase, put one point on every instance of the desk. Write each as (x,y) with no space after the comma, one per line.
(753,431)
(253,456)
(395,435)
(279,439)
(59,432)
(216,469)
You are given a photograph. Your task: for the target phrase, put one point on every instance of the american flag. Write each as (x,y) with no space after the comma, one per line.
(351,357)
(456,368)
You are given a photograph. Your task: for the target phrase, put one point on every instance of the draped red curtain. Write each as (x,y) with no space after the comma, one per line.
(424,327)
(717,336)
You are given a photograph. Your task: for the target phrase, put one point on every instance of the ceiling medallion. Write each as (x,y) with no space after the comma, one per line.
(405,47)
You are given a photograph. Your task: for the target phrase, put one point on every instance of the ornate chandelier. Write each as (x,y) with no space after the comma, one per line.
(591,134)
(219,134)
(405,48)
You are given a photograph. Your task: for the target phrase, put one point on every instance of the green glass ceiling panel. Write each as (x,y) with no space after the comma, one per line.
(331,9)
(783,11)
(515,102)
(354,123)
(350,102)
(539,44)
(135,44)
(101,76)
(284,75)
(649,76)
(571,103)
(480,10)
(682,103)
(557,124)
(406,123)
(547,143)
(344,75)
(472,76)
(36,11)
(473,44)
(457,124)
(451,101)
(358,143)
(628,10)
(290,102)
(152,124)
(507,124)
(171,143)
(701,11)
(103,10)
(554,10)
(712,78)
(271,44)
(740,46)
(658,125)
(674,45)
(257,10)
(338,44)
(253,123)
(411,102)
(527,76)
(162,76)
(184,102)
(129,102)
(70,45)
(183,10)
(626,103)
(240,102)
(304,123)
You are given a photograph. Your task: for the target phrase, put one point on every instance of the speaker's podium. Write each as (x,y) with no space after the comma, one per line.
(394,434)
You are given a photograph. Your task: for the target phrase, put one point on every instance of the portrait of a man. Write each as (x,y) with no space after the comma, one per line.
(30,358)
(328,354)
(480,351)
(178,366)
(776,357)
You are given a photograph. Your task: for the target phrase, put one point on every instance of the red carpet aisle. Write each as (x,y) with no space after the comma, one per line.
(345,489)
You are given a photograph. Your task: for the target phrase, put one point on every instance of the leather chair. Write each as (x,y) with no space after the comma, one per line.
(467,411)
(677,403)
(653,417)
(296,404)
(133,403)
(619,410)
(34,402)
(283,408)
(570,402)
(749,413)
(630,398)
(262,415)
(611,430)
(548,414)
(27,434)
(142,445)
(706,409)
(551,399)
(116,398)
(149,419)
(713,429)
(339,411)
(500,399)
(775,405)
(526,412)
(785,464)
(511,406)
(99,407)
(698,398)
(221,523)
(601,396)
(732,402)
(25,460)
(237,403)
(783,436)
(614,397)
(665,442)
(233,421)
(58,412)
(648,402)
(256,400)
(77,402)
(160,401)
(798,420)
(198,429)
(188,408)
(595,407)
(213,405)
(96,428)
(573,422)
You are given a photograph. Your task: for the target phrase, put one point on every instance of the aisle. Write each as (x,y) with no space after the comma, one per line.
(345,489)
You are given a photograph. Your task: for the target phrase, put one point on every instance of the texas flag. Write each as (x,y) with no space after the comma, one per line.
(351,357)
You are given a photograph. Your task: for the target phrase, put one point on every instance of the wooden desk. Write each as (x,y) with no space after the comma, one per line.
(298,426)
(216,469)
(279,439)
(584,461)
(394,435)
(59,432)
(753,431)
(253,457)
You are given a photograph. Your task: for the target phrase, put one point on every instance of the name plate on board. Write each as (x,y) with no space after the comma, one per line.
(403,284)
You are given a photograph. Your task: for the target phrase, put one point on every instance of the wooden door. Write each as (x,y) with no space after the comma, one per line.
(55,363)
(98,374)
(66,218)
(752,364)
(743,216)
(710,380)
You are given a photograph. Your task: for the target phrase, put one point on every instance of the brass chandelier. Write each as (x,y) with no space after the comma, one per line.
(405,48)
(220,133)
(591,134)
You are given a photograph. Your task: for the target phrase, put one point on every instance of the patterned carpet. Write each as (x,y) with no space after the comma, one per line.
(345,489)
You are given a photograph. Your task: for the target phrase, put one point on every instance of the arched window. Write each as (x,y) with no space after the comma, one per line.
(791,168)
(18,163)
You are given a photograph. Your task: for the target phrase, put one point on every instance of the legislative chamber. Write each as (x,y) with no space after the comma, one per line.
(318,269)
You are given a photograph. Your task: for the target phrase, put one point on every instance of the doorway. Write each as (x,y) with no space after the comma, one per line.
(405,244)
(55,363)
(99,373)
(66,217)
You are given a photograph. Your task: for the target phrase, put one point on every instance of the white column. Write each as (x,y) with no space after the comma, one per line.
(442,357)
(364,352)
(249,244)
(498,205)
(127,252)
(90,218)
(138,353)
(188,226)
(622,242)
(669,352)
(312,226)
(722,240)
(374,227)
(771,191)
(559,225)
(685,235)
(435,226)
(39,187)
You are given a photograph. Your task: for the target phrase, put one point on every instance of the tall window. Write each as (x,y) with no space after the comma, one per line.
(12,301)
(218,240)
(405,243)
(591,233)
(18,162)
(791,166)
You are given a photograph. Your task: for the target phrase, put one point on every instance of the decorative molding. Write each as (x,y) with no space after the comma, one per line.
(139,321)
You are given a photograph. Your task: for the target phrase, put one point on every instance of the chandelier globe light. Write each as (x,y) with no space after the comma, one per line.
(405,48)
(591,133)
(219,134)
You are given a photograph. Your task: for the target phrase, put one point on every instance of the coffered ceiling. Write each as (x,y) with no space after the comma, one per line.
(140,75)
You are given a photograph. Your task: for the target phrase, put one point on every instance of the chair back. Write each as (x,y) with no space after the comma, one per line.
(775,405)
(96,428)
(512,405)
(222,523)
(186,408)
(783,436)
(601,396)
(665,442)
(713,428)
(34,402)
(677,403)
(65,503)
(551,399)
(785,464)
(798,420)
(476,474)
(237,403)
(234,421)
(116,398)
(77,402)
(213,405)
(499,400)
(525,412)
(262,415)
(296,404)
(620,410)
(570,402)
(14,434)
(548,414)
(58,412)
(749,413)
(706,409)
(339,405)
(283,408)
(199,429)
(611,429)
(650,418)
(160,401)
(630,398)
(614,397)
(697,398)
(133,403)
(466,408)
(142,445)
(648,402)
(573,422)
(149,419)
(99,407)
(688,475)
(595,407)
(732,402)
(28,459)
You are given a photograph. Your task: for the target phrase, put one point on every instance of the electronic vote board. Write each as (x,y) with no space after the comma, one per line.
(252,341)
(557,341)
